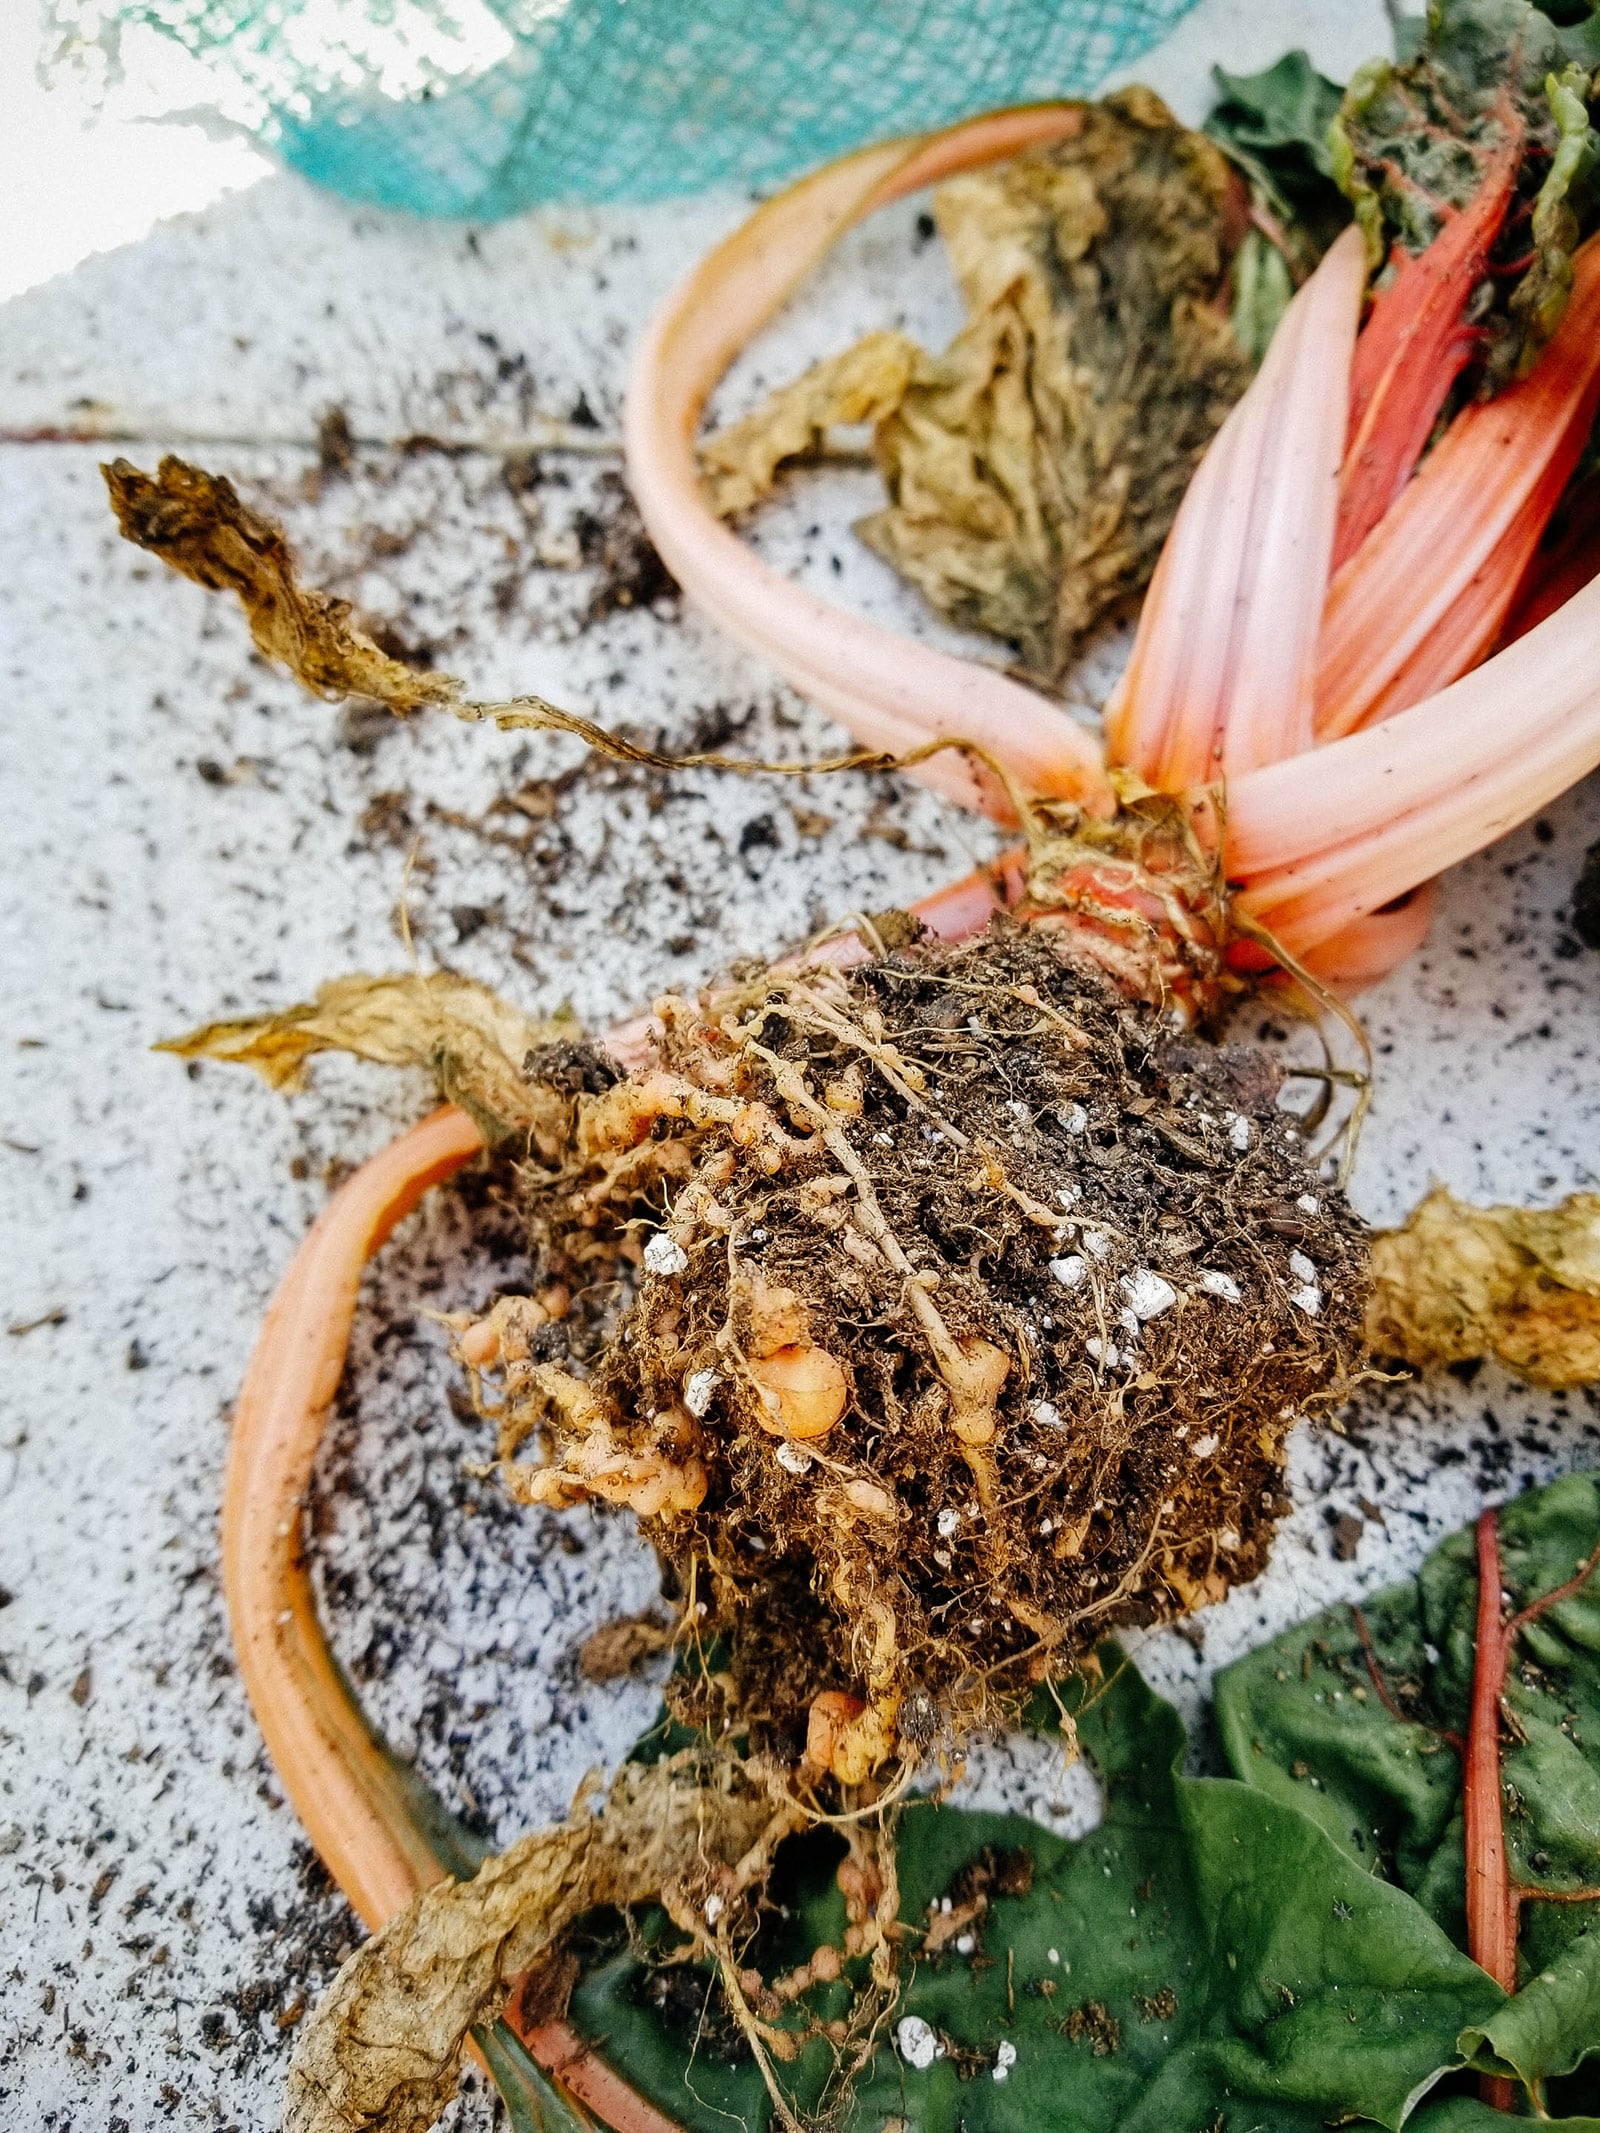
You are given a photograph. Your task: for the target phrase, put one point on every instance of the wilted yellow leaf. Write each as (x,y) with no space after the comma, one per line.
(474,1044)
(196,522)
(1035,467)
(1521,1284)
(384,2047)
(865,384)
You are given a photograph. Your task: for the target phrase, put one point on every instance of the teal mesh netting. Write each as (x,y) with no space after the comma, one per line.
(483,107)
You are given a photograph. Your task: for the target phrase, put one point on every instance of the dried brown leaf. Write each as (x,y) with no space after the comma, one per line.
(1035,467)
(472,1042)
(1521,1284)
(866,383)
(197,523)
(384,2047)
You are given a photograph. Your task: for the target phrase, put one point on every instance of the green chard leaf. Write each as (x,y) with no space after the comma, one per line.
(1208,1950)
(1465,2114)
(1549,2025)
(1486,82)
(1362,1744)
(1274,127)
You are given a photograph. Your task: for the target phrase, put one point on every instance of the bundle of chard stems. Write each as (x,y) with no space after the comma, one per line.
(1354,668)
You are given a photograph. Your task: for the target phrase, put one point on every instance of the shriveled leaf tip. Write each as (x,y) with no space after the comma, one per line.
(196,523)
(474,1043)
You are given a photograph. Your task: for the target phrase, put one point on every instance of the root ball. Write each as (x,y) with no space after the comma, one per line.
(991,1303)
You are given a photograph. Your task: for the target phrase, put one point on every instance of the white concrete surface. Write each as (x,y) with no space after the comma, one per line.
(183,834)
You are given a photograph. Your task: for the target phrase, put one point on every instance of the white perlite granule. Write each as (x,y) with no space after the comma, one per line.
(664,1255)
(916,2043)
(1148,1295)
(698,1390)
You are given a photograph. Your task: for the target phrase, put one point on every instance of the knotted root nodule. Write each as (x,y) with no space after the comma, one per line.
(934,1316)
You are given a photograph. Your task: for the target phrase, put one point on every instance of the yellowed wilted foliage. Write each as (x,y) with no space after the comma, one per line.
(197,524)
(1034,467)
(1521,1284)
(694,1833)
(473,1042)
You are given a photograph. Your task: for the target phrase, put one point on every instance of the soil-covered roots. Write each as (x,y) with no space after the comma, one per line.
(694,1832)
(933,1316)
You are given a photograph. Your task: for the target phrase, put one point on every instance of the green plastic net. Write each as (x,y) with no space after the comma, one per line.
(481,108)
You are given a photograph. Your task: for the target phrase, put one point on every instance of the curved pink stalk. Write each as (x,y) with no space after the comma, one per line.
(348,1794)
(1412,349)
(338,1781)
(1468,630)
(1319,841)
(1427,592)
(1359,954)
(1220,679)
(890,692)
(1369,948)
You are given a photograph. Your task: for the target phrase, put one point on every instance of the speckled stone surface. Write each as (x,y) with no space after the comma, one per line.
(183,834)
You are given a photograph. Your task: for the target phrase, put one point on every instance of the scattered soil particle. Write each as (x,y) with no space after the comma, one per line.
(302,1938)
(469,919)
(391,637)
(691,2002)
(960,1915)
(1156,2006)
(622,1647)
(386,818)
(522,473)
(363,725)
(612,541)
(1347,1532)
(1093,2024)
(336,446)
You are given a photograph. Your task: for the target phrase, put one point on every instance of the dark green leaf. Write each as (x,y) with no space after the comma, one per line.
(1304,1721)
(1416,138)
(1275,125)
(1206,1950)
(1280,116)
(1465,2114)
(1551,2024)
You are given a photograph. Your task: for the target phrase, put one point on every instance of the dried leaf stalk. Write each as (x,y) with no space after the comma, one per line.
(473,1042)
